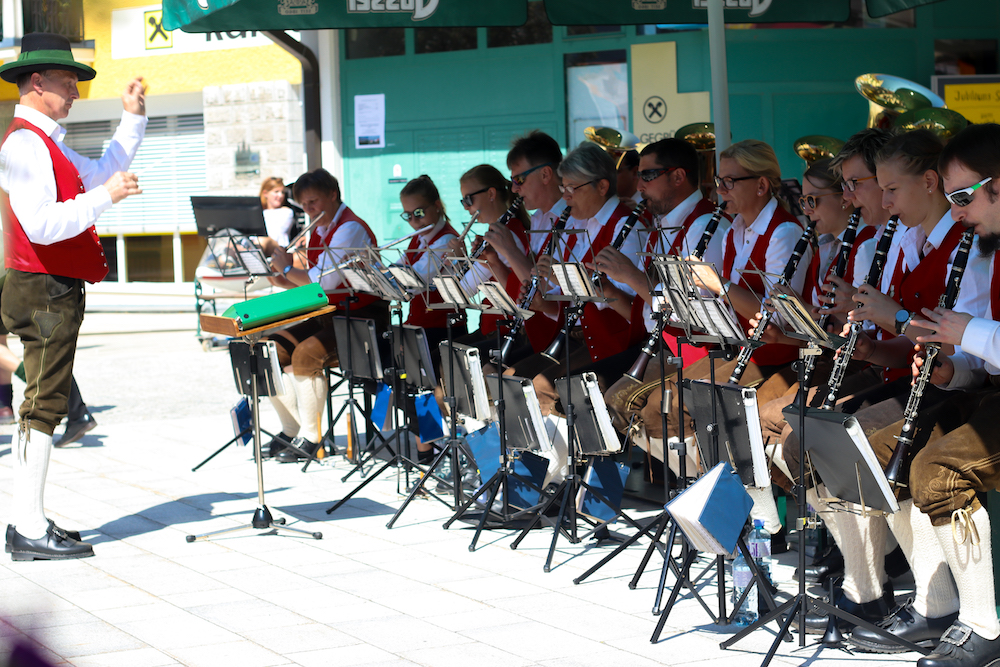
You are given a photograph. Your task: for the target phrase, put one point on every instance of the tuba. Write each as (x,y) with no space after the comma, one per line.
(944,123)
(702,137)
(890,96)
(616,143)
(817,147)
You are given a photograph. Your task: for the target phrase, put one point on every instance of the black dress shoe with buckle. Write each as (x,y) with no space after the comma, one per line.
(54,545)
(278,443)
(961,647)
(76,429)
(875,611)
(300,450)
(907,624)
(72,534)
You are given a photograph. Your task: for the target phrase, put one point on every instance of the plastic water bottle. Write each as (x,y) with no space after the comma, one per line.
(759,545)
(742,577)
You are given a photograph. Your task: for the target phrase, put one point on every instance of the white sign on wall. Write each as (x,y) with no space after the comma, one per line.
(138,32)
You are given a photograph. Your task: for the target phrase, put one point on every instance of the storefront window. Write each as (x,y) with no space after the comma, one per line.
(149,259)
(436,40)
(375,42)
(537,29)
(596,92)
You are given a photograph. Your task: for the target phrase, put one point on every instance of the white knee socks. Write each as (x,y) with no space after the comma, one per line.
(935,594)
(764,508)
(286,405)
(31,465)
(310,392)
(862,542)
(970,556)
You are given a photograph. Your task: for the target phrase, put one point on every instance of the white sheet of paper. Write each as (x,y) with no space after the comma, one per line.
(369,121)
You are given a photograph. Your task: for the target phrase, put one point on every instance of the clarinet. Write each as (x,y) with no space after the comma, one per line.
(529,296)
(874,277)
(638,369)
(743,359)
(503,220)
(931,350)
(839,269)
(555,347)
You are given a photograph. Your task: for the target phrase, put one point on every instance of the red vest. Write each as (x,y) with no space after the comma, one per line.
(420,315)
(766,355)
(923,287)
(605,332)
(79,257)
(488,323)
(865,233)
(318,243)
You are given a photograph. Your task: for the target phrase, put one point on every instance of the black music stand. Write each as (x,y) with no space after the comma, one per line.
(530,438)
(257,370)
(791,308)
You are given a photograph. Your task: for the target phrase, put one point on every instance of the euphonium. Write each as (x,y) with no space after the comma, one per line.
(743,359)
(846,351)
(529,296)
(555,347)
(931,351)
(638,369)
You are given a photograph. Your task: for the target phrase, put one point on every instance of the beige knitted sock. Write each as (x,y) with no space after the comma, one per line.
(862,541)
(967,545)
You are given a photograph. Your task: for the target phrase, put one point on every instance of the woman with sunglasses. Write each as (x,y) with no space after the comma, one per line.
(487,193)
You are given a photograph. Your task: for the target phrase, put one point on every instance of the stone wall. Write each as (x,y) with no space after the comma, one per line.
(266,118)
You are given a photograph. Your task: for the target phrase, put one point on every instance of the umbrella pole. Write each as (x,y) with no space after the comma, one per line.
(720,76)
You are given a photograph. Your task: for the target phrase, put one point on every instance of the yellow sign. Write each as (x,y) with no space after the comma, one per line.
(658,110)
(157,37)
(978,102)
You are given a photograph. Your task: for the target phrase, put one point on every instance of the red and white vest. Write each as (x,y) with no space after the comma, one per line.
(317,243)
(79,257)
(488,323)
(420,315)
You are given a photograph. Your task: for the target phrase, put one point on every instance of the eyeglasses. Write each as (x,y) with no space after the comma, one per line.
(850,184)
(467,199)
(728,182)
(653,174)
(810,200)
(519,179)
(570,189)
(418,213)
(964,196)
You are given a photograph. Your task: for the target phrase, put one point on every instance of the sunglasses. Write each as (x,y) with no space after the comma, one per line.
(965,196)
(810,201)
(852,183)
(519,179)
(728,182)
(418,213)
(467,199)
(652,174)
(570,189)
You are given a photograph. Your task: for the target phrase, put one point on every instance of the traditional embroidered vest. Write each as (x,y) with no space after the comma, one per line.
(605,332)
(79,257)
(923,287)
(420,315)
(488,323)
(773,354)
(317,243)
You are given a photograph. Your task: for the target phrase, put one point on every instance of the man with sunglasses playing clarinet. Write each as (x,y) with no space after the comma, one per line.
(669,182)
(957,444)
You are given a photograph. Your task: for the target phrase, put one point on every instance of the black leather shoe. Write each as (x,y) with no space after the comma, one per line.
(906,624)
(830,563)
(72,534)
(873,612)
(961,647)
(54,545)
(76,430)
(271,449)
(305,447)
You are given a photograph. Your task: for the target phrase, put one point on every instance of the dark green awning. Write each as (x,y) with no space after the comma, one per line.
(634,12)
(880,8)
(229,15)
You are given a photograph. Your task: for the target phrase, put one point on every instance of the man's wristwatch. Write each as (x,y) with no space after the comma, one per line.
(285,270)
(903,318)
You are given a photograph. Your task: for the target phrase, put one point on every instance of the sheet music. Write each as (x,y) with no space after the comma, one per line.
(535,415)
(716,319)
(574,280)
(612,443)
(407,277)
(255,262)
(868,455)
(451,291)
(357,282)
(498,296)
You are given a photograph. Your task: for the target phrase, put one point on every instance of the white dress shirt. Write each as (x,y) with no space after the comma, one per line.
(541,222)
(592,227)
(26,174)
(778,251)
(345,241)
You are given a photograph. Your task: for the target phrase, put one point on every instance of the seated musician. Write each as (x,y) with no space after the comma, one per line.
(422,207)
(669,182)
(915,277)
(955,452)
(487,193)
(305,349)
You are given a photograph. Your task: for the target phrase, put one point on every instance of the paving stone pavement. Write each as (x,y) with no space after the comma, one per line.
(363,595)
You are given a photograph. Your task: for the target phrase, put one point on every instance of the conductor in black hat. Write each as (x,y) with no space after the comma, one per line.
(52,197)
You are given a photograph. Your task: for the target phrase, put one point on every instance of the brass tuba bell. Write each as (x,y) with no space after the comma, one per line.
(944,123)
(889,96)
(816,147)
(614,142)
(702,137)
